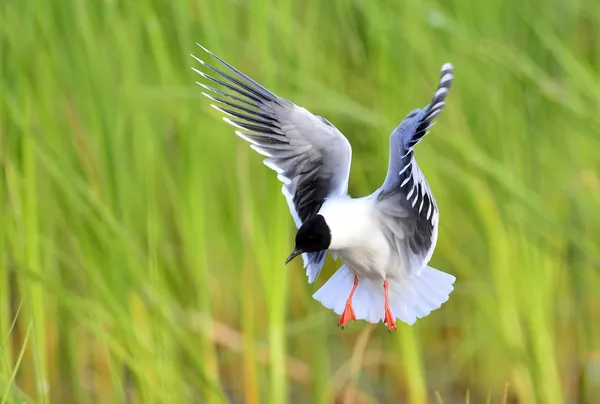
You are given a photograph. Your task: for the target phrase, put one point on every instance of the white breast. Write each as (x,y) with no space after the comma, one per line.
(356,235)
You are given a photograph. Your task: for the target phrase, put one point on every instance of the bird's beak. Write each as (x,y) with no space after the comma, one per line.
(293,255)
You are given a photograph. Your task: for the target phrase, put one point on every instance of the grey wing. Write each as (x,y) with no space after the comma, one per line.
(311,157)
(409,210)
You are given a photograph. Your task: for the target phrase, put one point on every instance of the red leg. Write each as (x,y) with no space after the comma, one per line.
(389,317)
(348,313)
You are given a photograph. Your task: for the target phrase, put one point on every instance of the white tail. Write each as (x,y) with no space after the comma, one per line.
(410,297)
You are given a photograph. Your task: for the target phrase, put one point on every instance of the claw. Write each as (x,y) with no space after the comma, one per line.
(348,313)
(389,320)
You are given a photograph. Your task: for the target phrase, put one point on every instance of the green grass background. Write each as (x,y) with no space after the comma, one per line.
(142,243)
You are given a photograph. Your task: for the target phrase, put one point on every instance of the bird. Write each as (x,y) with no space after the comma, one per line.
(385,240)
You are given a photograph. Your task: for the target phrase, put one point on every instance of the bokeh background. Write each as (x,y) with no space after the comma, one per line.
(142,243)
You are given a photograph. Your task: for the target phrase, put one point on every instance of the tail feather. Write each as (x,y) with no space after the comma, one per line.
(410,297)
(330,294)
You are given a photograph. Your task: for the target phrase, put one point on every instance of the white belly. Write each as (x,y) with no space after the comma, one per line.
(357,237)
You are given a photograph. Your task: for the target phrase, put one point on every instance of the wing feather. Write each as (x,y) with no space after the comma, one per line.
(409,210)
(311,157)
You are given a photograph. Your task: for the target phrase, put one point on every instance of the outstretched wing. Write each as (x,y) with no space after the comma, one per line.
(405,200)
(311,157)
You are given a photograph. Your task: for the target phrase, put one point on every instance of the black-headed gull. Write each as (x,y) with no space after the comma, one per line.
(385,239)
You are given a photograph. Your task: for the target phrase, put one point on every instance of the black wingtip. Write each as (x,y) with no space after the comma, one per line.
(437,103)
(446,76)
(446,79)
(446,68)
(204,49)
(209,52)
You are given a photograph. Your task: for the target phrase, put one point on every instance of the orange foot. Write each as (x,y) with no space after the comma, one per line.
(348,313)
(389,317)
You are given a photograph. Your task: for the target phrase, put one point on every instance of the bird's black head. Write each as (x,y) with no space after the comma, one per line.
(314,235)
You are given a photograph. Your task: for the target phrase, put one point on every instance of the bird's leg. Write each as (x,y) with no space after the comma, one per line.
(389,317)
(348,313)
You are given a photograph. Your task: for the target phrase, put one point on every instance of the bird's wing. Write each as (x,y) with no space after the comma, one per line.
(408,208)
(311,157)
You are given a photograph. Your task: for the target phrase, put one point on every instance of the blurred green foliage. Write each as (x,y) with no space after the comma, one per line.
(142,243)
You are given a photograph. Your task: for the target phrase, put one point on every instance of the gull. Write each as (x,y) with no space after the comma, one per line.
(385,239)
